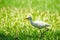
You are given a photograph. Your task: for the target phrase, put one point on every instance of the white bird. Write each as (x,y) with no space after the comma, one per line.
(38,24)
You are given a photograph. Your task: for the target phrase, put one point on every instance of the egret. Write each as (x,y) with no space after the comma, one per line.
(38,24)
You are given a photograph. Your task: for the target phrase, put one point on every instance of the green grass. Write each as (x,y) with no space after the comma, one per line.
(13,12)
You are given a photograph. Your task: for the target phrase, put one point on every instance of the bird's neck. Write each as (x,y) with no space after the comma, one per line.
(31,21)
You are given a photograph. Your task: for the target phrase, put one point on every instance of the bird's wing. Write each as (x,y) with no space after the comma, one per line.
(40,23)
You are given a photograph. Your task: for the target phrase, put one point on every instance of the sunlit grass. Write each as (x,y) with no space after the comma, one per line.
(13,12)
(12,23)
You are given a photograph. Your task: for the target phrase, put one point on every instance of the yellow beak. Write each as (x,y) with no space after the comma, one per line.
(25,19)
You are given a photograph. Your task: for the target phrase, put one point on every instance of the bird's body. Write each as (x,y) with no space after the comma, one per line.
(39,24)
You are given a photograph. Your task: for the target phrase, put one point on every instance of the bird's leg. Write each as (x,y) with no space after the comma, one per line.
(39,34)
(42,33)
(46,30)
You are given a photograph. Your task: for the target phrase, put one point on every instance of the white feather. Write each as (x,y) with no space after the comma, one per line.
(40,24)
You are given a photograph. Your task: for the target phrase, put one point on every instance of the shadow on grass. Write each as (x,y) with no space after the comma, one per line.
(6,37)
(50,35)
(29,37)
(20,37)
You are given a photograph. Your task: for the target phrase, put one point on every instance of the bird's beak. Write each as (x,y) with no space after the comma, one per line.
(25,19)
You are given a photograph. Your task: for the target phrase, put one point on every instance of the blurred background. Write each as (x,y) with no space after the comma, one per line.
(13,12)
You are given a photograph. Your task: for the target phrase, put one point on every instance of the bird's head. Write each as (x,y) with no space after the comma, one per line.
(29,18)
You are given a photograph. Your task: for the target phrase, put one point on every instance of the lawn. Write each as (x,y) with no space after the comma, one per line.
(13,12)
